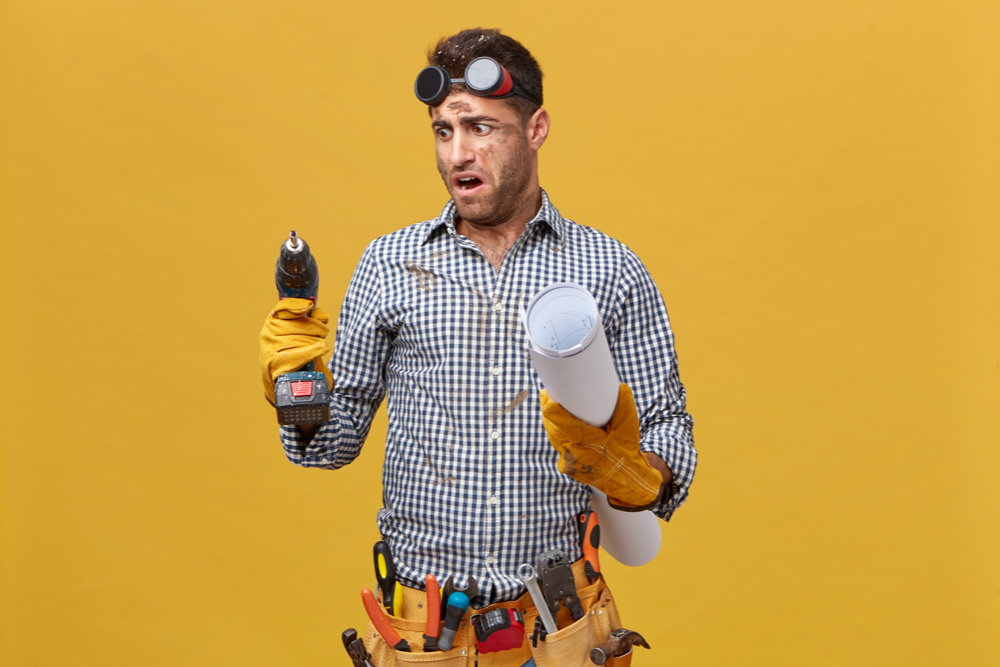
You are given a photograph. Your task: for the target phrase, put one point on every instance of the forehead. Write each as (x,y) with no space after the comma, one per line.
(461,103)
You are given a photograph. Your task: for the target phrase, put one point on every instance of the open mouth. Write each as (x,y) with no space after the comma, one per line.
(468,183)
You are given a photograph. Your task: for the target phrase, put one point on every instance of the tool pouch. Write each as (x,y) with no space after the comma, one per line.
(569,647)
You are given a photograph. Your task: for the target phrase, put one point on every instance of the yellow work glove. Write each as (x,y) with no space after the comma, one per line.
(606,458)
(290,339)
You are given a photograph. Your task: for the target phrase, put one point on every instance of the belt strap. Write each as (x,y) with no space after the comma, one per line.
(414,608)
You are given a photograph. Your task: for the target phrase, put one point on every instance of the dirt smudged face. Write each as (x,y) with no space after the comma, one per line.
(483,157)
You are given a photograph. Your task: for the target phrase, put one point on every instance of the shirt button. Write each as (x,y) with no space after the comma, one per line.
(496,370)
(490,560)
(495,435)
(493,500)
(498,306)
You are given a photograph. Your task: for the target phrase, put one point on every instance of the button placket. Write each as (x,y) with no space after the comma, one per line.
(497,393)
(493,463)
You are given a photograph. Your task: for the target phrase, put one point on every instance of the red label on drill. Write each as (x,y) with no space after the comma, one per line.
(302,388)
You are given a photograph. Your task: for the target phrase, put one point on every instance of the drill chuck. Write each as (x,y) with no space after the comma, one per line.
(296,274)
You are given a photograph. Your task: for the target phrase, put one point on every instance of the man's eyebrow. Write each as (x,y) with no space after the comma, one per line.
(466,120)
(472,120)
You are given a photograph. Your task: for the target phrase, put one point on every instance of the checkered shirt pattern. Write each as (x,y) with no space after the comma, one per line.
(470,480)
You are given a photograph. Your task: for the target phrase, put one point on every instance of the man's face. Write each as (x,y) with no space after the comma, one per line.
(483,155)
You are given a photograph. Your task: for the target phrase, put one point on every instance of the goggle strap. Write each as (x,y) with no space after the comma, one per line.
(515,90)
(508,82)
(506,91)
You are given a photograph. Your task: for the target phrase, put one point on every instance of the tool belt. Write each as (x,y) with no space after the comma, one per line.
(569,647)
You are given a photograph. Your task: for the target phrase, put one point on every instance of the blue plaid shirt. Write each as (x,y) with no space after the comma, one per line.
(470,480)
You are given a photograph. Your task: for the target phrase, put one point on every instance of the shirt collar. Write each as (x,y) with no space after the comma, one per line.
(547,213)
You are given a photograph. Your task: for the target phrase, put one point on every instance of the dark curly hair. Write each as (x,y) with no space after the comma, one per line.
(453,53)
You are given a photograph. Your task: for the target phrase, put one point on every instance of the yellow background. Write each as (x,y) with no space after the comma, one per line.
(813,185)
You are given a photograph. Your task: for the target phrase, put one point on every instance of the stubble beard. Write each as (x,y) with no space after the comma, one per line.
(508,195)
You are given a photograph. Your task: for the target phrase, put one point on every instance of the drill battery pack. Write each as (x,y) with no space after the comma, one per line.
(302,398)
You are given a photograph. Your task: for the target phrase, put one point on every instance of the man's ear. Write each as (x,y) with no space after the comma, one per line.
(537,128)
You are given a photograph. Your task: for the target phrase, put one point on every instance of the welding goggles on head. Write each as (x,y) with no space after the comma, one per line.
(483,76)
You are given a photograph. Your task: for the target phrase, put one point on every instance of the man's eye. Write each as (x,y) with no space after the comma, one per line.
(443,133)
(479,128)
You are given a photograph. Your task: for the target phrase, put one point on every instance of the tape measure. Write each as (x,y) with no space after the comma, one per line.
(499,630)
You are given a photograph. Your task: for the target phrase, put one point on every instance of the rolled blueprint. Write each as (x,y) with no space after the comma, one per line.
(569,350)
(568,347)
(632,538)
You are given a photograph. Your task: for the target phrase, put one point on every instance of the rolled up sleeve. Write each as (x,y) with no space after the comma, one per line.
(360,352)
(642,345)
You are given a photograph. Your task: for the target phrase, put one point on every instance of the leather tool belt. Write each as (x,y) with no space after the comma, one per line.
(569,647)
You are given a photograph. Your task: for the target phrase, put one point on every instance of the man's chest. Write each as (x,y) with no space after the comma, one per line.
(445,294)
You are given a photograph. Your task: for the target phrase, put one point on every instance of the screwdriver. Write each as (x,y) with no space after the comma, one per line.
(457,604)
(385,572)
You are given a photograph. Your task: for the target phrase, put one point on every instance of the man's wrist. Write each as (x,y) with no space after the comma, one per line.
(668,475)
(666,487)
(307,431)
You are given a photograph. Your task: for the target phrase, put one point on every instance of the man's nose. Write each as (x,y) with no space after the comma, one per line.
(461,150)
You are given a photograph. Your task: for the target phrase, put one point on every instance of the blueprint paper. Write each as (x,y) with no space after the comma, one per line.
(568,347)
(570,352)
(632,538)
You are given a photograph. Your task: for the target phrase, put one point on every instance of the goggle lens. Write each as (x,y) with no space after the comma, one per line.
(432,86)
(484,76)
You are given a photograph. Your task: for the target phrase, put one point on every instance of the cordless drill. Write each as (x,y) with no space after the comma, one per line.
(302,397)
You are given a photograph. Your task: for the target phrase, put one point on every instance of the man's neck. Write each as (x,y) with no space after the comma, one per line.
(495,240)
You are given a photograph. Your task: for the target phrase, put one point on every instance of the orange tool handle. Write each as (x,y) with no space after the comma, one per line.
(381,623)
(590,540)
(433,607)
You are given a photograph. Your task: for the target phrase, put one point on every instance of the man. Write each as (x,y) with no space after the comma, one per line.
(431,320)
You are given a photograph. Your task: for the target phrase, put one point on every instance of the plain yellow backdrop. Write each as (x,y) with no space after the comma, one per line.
(813,185)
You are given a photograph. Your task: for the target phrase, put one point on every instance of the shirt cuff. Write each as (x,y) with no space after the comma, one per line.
(677,491)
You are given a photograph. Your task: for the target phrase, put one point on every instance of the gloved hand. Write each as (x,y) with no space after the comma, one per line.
(290,339)
(606,458)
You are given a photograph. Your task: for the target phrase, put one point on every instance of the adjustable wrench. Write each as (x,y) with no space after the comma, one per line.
(527,574)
